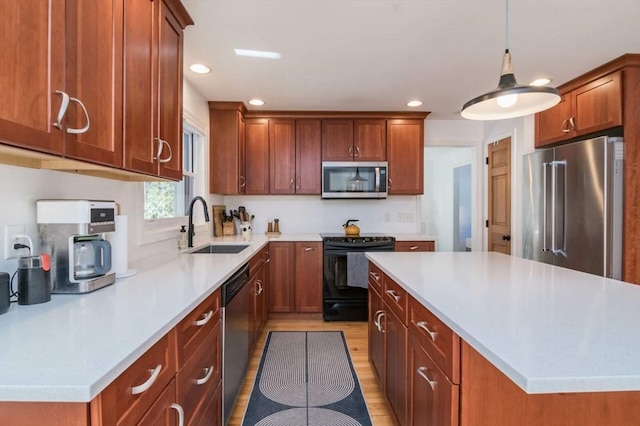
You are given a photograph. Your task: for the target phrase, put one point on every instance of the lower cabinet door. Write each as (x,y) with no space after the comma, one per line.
(210,414)
(164,411)
(433,399)
(396,364)
(376,336)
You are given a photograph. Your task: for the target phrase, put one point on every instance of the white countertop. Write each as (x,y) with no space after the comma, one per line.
(549,329)
(415,237)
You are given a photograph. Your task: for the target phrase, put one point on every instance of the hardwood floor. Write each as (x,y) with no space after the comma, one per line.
(356,335)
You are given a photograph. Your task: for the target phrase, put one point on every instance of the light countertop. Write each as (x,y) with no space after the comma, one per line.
(549,329)
(415,237)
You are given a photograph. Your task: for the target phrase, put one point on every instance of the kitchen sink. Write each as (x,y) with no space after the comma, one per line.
(221,249)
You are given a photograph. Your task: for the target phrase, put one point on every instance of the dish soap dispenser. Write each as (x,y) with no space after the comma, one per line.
(183,241)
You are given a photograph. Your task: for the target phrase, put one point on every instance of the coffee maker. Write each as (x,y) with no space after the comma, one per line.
(72,232)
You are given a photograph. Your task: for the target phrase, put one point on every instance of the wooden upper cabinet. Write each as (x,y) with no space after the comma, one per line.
(369,140)
(353,140)
(227,148)
(153,86)
(308,157)
(405,154)
(282,156)
(592,107)
(256,145)
(93,74)
(337,140)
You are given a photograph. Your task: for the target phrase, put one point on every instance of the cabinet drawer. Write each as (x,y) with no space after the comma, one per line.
(433,399)
(200,375)
(257,261)
(140,385)
(415,246)
(196,325)
(442,344)
(210,413)
(163,412)
(376,278)
(395,297)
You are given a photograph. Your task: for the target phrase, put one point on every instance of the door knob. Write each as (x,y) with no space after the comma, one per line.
(506,238)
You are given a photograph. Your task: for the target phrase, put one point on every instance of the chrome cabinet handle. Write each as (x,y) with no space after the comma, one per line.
(243,182)
(376,320)
(423,325)
(292,183)
(205,319)
(393,294)
(351,151)
(207,375)
(572,123)
(422,372)
(63,111)
(135,390)
(389,182)
(357,154)
(180,411)
(565,126)
(309,248)
(298,183)
(161,144)
(375,276)
(414,248)
(259,290)
(267,257)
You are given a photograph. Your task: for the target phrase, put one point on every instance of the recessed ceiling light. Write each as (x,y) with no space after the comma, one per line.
(256,102)
(200,68)
(257,53)
(415,103)
(540,82)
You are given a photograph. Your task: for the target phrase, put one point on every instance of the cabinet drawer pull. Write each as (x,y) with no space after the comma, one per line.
(572,123)
(376,320)
(267,257)
(308,248)
(259,290)
(393,294)
(207,375)
(180,411)
(350,151)
(135,390)
(63,111)
(161,144)
(357,154)
(422,372)
(375,276)
(423,325)
(292,183)
(243,182)
(205,319)
(414,248)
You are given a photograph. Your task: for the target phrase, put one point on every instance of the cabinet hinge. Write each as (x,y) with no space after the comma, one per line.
(486,223)
(486,160)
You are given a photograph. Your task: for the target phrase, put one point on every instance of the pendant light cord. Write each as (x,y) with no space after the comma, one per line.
(506,24)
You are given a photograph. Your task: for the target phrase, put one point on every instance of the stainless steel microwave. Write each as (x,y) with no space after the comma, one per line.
(349,179)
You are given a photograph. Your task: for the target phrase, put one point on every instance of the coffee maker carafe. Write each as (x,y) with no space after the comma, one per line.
(72,232)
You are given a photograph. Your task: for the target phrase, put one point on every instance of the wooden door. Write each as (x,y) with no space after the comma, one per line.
(308,157)
(433,399)
(281,275)
(140,85)
(161,412)
(552,125)
(500,196)
(256,146)
(308,278)
(377,325)
(170,94)
(32,69)
(93,74)
(405,154)
(282,156)
(369,140)
(396,364)
(337,140)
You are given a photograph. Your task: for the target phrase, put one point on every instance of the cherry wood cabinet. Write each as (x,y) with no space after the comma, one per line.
(295,277)
(164,411)
(405,154)
(308,277)
(592,107)
(153,87)
(415,246)
(353,140)
(308,157)
(256,154)
(258,304)
(227,148)
(282,150)
(62,90)
(376,336)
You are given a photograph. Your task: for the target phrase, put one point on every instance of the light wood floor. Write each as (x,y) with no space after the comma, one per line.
(356,335)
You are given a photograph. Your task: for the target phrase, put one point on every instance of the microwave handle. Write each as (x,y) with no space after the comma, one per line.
(377,189)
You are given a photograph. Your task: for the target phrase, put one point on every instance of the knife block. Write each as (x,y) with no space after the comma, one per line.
(229,228)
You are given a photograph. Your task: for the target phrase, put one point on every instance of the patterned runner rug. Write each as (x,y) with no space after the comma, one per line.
(306,378)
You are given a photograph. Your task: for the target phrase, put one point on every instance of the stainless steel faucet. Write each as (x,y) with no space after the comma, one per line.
(190,231)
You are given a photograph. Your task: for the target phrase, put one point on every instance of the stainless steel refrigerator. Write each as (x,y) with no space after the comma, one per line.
(572,206)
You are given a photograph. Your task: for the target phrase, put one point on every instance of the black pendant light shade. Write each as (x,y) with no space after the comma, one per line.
(509,99)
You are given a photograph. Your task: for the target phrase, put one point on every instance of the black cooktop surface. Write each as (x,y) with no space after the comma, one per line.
(362,238)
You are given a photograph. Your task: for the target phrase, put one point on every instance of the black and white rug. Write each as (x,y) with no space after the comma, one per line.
(306,378)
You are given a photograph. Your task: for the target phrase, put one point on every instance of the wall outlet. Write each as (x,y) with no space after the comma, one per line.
(387,217)
(10,232)
(406,217)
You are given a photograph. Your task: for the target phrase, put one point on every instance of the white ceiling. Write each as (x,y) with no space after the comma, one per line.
(378,54)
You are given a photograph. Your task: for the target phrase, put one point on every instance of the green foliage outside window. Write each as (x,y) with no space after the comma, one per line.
(159,200)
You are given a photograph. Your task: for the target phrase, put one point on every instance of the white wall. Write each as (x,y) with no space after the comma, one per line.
(21,187)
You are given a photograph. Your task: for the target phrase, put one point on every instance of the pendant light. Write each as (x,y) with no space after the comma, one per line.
(509,99)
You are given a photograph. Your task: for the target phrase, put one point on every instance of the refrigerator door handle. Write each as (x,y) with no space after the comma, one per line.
(544,206)
(555,197)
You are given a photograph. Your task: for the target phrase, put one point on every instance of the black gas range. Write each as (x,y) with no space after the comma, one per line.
(345,293)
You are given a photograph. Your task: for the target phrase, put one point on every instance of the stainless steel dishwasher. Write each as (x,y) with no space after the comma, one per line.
(235,337)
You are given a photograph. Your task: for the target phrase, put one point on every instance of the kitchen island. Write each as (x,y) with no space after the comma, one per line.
(538,344)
